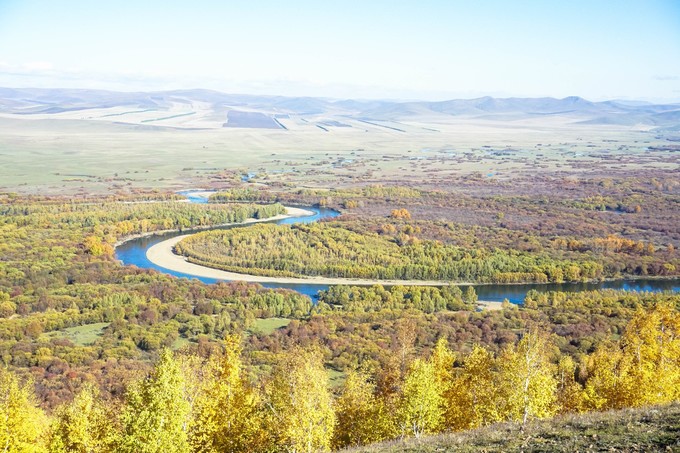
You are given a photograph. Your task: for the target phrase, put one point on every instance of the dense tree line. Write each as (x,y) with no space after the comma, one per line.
(376,298)
(572,219)
(142,216)
(51,280)
(579,321)
(40,240)
(330,250)
(321,197)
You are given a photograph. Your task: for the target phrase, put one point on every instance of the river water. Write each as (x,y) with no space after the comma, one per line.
(133,252)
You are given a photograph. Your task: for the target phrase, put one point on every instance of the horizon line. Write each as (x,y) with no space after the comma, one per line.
(333,98)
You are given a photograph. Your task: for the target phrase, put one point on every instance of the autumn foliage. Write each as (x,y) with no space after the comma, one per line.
(208,405)
(401,214)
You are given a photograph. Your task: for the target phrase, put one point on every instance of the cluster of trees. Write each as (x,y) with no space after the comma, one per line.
(71,314)
(600,203)
(148,313)
(188,403)
(376,298)
(121,219)
(43,239)
(242,194)
(580,321)
(328,249)
(375,191)
(615,254)
(348,198)
(141,316)
(401,214)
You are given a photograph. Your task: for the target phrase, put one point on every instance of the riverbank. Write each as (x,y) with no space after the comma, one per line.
(489,305)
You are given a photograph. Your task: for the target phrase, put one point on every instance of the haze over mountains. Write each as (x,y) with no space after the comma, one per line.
(211,109)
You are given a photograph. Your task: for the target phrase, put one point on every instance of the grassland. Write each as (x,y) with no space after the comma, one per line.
(267,326)
(185,144)
(631,430)
(81,335)
(179,343)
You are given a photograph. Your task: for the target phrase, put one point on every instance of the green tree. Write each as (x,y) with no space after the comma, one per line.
(470,295)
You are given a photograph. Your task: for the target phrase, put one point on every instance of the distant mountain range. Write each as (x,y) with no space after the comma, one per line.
(33,101)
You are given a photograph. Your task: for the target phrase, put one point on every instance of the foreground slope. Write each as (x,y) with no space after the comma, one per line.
(647,429)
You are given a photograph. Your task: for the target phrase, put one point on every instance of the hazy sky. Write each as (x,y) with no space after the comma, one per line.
(424,49)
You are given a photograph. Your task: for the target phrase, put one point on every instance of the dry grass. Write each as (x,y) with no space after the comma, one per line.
(630,430)
(70,153)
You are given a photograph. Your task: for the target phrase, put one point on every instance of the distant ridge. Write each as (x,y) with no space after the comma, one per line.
(32,101)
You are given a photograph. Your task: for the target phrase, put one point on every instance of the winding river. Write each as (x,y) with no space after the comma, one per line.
(133,252)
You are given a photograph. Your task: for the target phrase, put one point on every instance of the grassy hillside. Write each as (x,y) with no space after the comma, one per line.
(647,429)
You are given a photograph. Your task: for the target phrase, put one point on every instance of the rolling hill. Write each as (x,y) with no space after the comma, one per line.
(212,109)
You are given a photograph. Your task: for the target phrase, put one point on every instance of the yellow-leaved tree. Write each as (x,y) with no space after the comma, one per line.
(421,409)
(527,381)
(643,368)
(96,247)
(228,410)
(155,417)
(608,384)
(362,417)
(301,415)
(652,344)
(472,397)
(442,360)
(85,425)
(21,421)
(570,396)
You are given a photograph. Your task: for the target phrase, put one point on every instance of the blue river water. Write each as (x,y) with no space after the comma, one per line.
(133,252)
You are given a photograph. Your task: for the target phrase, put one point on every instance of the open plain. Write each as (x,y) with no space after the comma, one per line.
(104,141)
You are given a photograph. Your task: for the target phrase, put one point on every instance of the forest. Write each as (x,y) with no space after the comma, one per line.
(332,251)
(188,403)
(102,357)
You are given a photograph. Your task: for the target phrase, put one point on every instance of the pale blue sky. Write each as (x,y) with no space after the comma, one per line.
(424,49)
